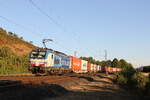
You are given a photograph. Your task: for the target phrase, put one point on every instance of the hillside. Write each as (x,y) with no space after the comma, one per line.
(15,43)
(14,53)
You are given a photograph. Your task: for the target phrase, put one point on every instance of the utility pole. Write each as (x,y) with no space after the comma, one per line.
(106,67)
(75,53)
(105,55)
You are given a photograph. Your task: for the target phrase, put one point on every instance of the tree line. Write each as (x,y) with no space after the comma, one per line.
(109,63)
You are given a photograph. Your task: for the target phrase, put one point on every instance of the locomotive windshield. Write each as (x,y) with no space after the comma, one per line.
(38,54)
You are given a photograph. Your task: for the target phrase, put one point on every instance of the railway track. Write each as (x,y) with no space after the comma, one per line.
(18,75)
(6,82)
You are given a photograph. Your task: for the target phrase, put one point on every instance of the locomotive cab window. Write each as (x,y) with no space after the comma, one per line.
(38,54)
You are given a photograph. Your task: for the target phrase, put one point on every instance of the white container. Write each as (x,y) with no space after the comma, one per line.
(95,67)
(92,68)
(98,68)
(84,66)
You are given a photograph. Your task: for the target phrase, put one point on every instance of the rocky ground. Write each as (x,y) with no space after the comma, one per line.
(67,87)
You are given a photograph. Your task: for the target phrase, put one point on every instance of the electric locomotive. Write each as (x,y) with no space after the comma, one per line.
(48,61)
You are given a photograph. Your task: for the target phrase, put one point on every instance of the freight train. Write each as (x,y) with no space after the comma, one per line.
(49,61)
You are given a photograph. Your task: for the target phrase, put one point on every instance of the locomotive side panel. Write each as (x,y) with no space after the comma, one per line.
(61,61)
(49,59)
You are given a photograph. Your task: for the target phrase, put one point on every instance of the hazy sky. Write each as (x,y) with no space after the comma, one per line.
(122,27)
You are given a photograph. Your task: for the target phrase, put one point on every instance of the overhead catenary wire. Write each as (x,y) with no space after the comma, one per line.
(56,23)
(48,16)
(25,28)
(18,25)
(61,46)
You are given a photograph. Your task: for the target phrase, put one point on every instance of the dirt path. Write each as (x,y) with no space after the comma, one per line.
(76,87)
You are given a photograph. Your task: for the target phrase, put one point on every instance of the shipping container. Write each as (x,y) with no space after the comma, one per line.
(75,64)
(92,68)
(103,69)
(119,69)
(84,66)
(110,69)
(89,67)
(98,68)
(114,69)
(95,67)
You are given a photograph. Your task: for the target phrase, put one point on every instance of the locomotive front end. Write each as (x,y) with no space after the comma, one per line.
(38,60)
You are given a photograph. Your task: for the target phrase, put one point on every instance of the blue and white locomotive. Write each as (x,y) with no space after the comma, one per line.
(43,60)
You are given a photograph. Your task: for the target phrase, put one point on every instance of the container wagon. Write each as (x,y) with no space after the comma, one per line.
(75,64)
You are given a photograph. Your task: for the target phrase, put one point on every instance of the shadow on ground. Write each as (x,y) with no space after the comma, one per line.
(87,78)
(93,80)
(101,76)
(20,91)
(58,92)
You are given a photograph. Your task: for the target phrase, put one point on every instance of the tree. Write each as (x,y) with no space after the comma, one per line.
(124,64)
(15,35)
(21,38)
(31,42)
(115,63)
(108,63)
(10,33)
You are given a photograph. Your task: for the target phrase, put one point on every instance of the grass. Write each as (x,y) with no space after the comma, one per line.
(10,63)
(14,53)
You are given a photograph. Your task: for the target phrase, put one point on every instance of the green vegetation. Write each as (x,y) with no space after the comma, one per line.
(10,63)
(129,77)
(134,80)
(114,63)
(13,53)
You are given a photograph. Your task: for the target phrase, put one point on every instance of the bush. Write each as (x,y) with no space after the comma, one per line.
(121,80)
(140,80)
(130,78)
(11,63)
(5,52)
(147,86)
(125,77)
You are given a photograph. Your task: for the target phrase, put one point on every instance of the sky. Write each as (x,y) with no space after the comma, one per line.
(122,27)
